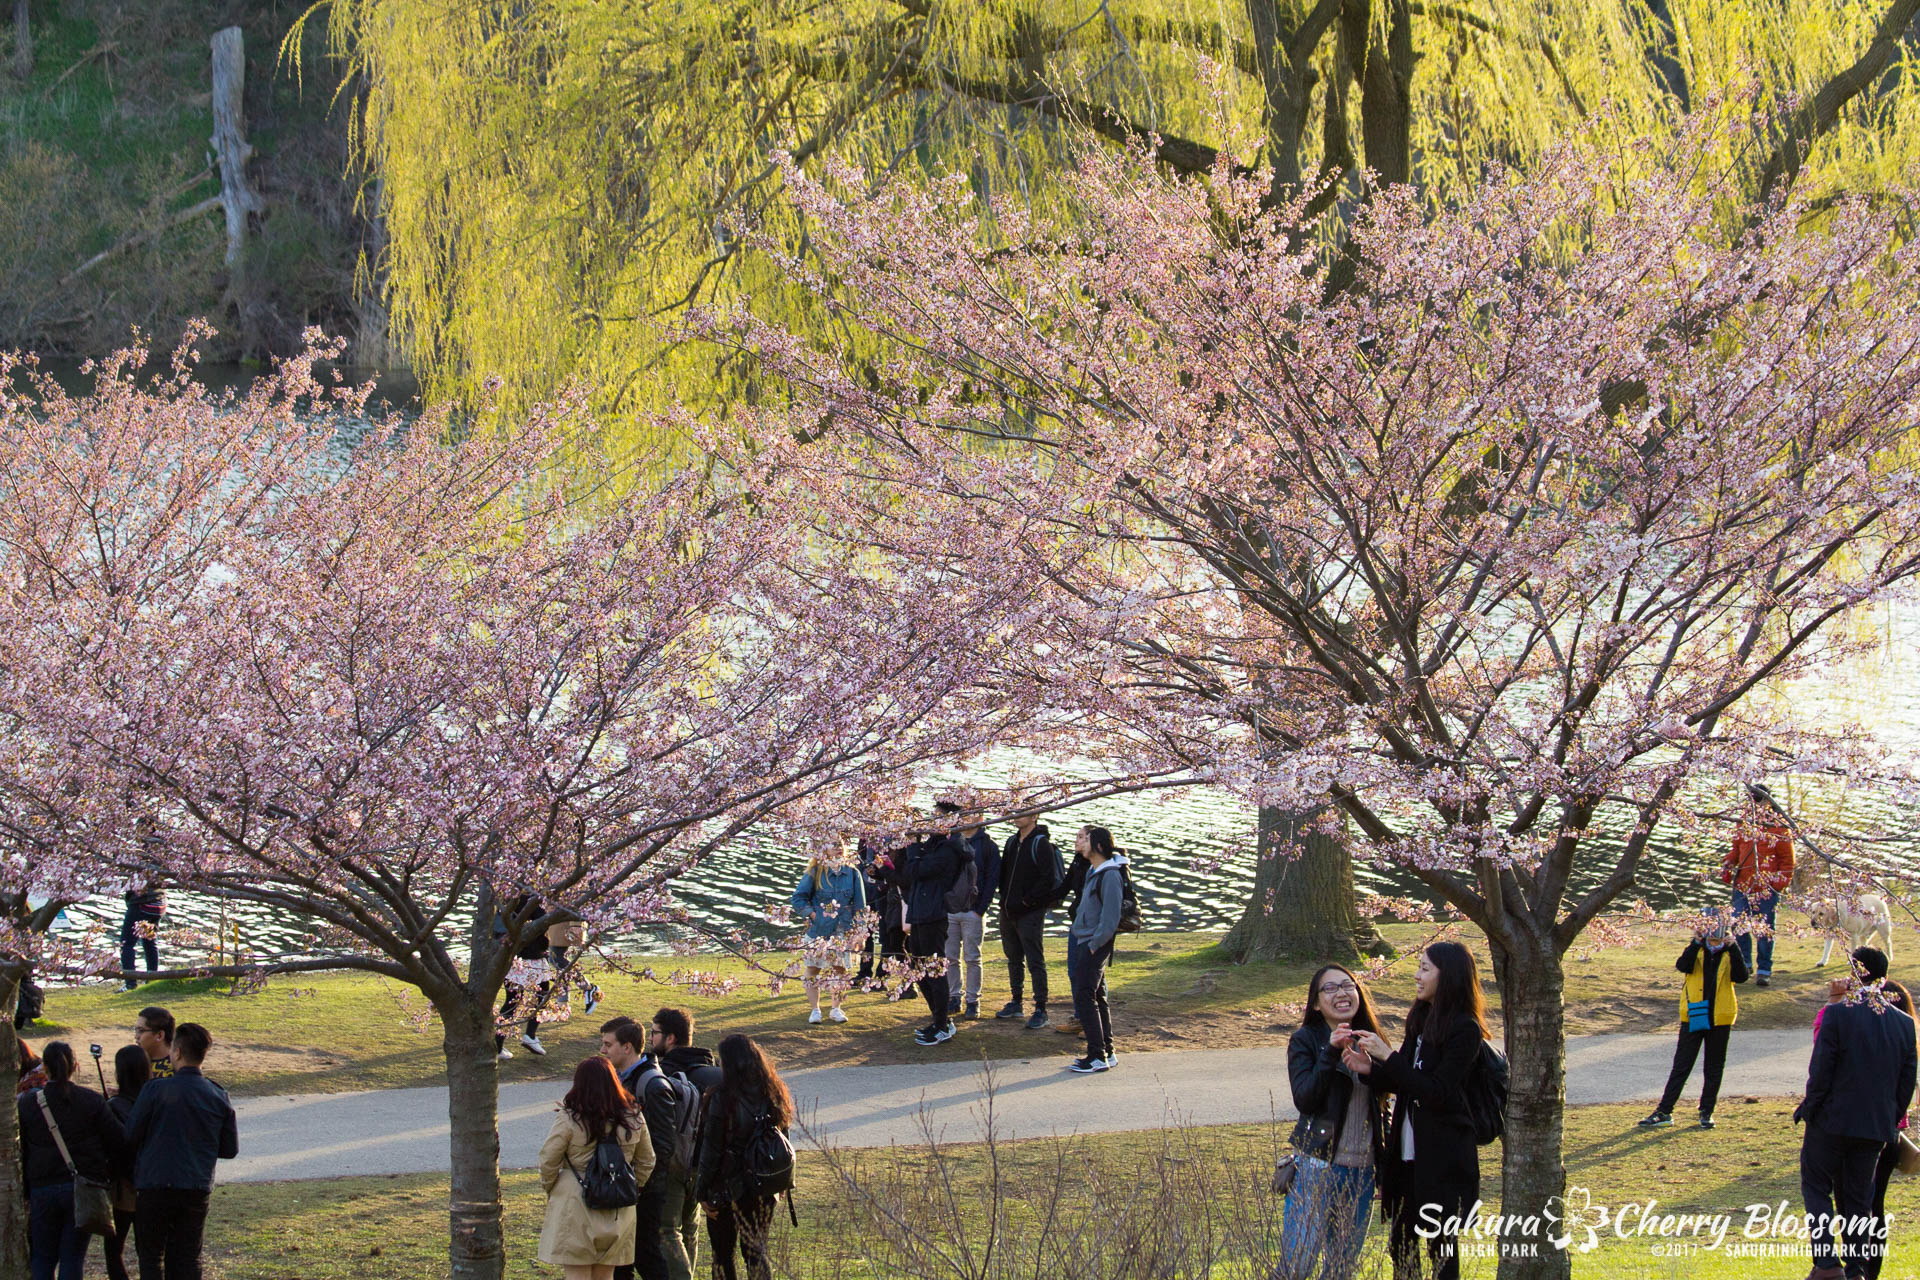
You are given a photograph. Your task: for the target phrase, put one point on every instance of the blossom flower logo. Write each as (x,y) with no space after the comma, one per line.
(1575,1215)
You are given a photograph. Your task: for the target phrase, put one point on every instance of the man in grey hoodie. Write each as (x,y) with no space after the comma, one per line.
(1090,945)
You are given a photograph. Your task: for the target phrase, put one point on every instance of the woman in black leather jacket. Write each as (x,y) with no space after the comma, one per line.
(1337,1141)
(1431,1173)
(750,1095)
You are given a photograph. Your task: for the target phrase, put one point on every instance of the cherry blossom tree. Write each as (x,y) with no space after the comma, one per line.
(1482,559)
(433,691)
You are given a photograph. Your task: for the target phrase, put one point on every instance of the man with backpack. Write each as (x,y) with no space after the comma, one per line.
(939,877)
(965,927)
(670,1104)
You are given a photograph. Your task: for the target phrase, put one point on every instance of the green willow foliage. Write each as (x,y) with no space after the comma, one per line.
(562,178)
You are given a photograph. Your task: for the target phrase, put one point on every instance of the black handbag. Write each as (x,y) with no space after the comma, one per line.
(608,1182)
(92,1197)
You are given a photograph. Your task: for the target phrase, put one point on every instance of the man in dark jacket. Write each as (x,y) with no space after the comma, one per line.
(1030,875)
(965,928)
(932,865)
(1859,1084)
(181,1126)
(623,1043)
(673,1051)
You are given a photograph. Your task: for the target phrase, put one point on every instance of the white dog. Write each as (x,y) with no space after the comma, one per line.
(1863,918)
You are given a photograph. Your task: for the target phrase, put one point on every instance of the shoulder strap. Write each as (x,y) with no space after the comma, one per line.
(40,1096)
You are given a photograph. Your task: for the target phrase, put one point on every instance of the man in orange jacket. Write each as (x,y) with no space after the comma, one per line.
(1759,867)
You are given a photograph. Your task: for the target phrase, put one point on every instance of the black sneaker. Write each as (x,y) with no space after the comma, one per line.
(953,1007)
(1658,1120)
(973,1011)
(928,1035)
(1038,1020)
(1012,1009)
(1706,1119)
(1087,1066)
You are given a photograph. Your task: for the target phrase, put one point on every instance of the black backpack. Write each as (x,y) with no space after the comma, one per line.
(1487,1095)
(686,1118)
(1129,903)
(31,1004)
(965,888)
(766,1160)
(608,1182)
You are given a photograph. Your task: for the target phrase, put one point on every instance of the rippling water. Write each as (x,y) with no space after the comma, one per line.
(1193,851)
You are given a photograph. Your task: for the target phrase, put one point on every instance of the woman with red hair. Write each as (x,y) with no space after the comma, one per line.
(588,1242)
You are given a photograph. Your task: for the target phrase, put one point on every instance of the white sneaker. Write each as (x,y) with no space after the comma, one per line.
(814,1016)
(505,1055)
(946,1033)
(838,1014)
(593,999)
(534,1046)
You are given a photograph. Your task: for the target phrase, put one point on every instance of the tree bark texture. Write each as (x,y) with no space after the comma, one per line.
(13,1193)
(1302,905)
(22,40)
(242,203)
(475,1248)
(1533,1177)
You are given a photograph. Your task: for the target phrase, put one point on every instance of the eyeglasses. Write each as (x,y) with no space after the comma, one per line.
(142,1029)
(1339,989)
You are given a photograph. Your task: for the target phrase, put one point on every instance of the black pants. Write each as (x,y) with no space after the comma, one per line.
(511,1006)
(167,1227)
(1882,1173)
(138,928)
(115,1246)
(924,941)
(664,1243)
(1404,1242)
(1021,942)
(867,951)
(746,1225)
(1087,977)
(1715,1038)
(1836,1178)
(893,941)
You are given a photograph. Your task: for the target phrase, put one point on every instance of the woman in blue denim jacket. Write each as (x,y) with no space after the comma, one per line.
(833,897)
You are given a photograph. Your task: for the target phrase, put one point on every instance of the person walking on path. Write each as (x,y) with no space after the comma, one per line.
(832,897)
(1096,922)
(1432,1170)
(153,1032)
(965,928)
(66,1131)
(589,1243)
(1708,1007)
(1759,867)
(736,1116)
(181,1127)
(933,864)
(140,927)
(131,1071)
(1030,876)
(1860,1082)
(535,969)
(1338,1139)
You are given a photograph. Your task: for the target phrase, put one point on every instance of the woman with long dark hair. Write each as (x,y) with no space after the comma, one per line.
(94,1141)
(131,1071)
(750,1096)
(590,1243)
(1096,923)
(1432,1169)
(1338,1140)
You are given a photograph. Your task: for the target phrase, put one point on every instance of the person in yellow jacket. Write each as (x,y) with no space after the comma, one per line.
(1708,1007)
(589,1243)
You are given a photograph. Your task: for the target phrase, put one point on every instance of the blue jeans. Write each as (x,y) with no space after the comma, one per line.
(1760,907)
(51,1240)
(1087,976)
(1326,1215)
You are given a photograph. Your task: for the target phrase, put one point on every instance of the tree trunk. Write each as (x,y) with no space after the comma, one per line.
(475,1247)
(13,1195)
(242,203)
(1533,1176)
(1302,905)
(22,41)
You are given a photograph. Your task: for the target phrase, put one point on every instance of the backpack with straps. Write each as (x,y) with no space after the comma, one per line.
(686,1117)
(1129,903)
(608,1182)
(965,886)
(766,1160)
(1487,1095)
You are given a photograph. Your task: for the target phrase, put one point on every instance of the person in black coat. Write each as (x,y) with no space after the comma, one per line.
(750,1094)
(1030,874)
(131,1071)
(95,1140)
(1859,1085)
(1432,1170)
(932,865)
(181,1127)
(1339,1139)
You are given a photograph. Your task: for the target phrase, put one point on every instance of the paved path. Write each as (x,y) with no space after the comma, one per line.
(405,1130)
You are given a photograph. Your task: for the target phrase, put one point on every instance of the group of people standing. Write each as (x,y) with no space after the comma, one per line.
(932,895)
(695,1136)
(135,1157)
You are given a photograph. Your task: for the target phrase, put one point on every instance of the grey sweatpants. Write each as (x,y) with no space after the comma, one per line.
(964,929)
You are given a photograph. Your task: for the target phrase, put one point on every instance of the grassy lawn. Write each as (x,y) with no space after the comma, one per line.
(375,1228)
(333,1032)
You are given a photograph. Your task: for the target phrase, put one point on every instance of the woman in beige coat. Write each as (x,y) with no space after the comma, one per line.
(590,1243)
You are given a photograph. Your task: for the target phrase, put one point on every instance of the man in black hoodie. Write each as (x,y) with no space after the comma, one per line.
(670,1039)
(1030,875)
